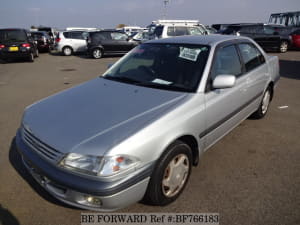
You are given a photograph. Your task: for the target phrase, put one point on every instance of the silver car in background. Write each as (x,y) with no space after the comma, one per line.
(69,42)
(135,132)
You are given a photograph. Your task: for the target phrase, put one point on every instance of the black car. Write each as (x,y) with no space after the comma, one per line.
(108,42)
(43,40)
(267,36)
(17,43)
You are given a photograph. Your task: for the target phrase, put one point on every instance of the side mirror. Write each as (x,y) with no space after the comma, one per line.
(224,81)
(109,65)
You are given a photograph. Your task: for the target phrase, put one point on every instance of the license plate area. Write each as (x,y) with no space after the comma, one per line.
(13,49)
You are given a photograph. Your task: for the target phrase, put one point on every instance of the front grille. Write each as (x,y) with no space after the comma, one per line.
(40,147)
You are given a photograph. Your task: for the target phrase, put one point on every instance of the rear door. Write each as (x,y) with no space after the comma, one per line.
(272,37)
(104,39)
(256,72)
(78,41)
(224,107)
(121,42)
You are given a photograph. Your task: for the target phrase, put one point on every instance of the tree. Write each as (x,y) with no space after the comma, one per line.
(121,25)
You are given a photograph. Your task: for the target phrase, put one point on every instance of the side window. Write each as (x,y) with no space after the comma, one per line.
(269,30)
(251,56)
(77,35)
(179,31)
(259,30)
(195,31)
(171,31)
(119,36)
(226,61)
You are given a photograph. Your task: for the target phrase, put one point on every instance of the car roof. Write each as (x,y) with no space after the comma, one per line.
(211,39)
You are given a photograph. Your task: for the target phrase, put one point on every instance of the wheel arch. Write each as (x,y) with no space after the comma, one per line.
(191,141)
(67,46)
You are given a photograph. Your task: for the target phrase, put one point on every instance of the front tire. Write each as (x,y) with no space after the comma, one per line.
(283,47)
(170,175)
(264,105)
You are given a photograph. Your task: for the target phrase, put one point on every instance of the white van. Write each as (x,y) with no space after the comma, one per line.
(170,28)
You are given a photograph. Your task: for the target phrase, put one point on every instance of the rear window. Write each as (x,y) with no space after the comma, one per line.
(13,35)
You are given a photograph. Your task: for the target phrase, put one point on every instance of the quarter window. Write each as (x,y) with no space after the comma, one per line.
(226,62)
(251,56)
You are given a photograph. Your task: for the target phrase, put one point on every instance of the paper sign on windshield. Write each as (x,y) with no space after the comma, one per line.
(189,53)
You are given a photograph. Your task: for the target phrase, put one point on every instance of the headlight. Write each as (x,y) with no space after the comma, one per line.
(82,163)
(98,166)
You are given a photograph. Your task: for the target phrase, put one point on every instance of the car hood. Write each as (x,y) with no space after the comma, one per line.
(94,116)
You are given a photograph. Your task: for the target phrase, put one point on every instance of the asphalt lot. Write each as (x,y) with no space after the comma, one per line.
(252,176)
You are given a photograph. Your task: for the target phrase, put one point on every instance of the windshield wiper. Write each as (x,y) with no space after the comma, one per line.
(122,79)
(173,87)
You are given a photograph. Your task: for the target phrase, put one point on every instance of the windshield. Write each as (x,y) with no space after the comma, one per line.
(12,35)
(176,67)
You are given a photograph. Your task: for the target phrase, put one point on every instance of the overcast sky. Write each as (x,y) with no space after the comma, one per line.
(109,13)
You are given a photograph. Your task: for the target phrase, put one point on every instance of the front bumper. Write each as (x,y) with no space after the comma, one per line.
(74,189)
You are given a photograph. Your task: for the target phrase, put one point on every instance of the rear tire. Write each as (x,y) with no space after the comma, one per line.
(283,47)
(97,53)
(170,175)
(31,57)
(67,51)
(36,53)
(264,105)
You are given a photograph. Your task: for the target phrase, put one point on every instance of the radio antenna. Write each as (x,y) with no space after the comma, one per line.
(166,2)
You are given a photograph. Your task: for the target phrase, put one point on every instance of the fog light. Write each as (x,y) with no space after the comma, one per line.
(93,201)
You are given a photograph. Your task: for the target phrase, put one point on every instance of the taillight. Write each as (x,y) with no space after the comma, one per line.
(57,40)
(2,46)
(26,45)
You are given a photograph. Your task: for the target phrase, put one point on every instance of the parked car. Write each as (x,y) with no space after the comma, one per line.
(136,131)
(49,30)
(43,40)
(69,42)
(296,38)
(171,28)
(129,30)
(108,42)
(210,30)
(17,43)
(265,35)
(140,37)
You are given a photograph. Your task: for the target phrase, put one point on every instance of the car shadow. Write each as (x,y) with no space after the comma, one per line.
(7,218)
(11,61)
(290,69)
(16,161)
